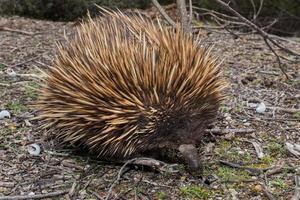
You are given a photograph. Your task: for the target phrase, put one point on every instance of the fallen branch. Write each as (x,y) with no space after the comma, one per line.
(36,196)
(163,13)
(225,131)
(181,6)
(249,169)
(296,195)
(156,164)
(287,110)
(264,35)
(268,194)
(16,31)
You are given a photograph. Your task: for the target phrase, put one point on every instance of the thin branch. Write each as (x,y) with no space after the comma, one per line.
(296,195)
(36,196)
(191,12)
(268,194)
(181,7)
(163,13)
(138,161)
(277,57)
(260,8)
(259,30)
(225,131)
(16,31)
(265,35)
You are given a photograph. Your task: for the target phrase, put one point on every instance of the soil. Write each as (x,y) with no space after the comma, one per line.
(232,168)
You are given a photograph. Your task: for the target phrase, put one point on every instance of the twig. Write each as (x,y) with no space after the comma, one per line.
(278,170)
(268,194)
(26,61)
(258,149)
(259,30)
(265,35)
(225,131)
(287,110)
(163,13)
(139,161)
(7,184)
(36,196)
(296,195)
(277,57)
(250,169)
(191,12)
(181,6)
(16,31)
(156,184)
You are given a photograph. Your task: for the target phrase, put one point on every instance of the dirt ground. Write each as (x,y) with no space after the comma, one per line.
(57,173)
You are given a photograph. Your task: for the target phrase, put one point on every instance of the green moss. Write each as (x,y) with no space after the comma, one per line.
(161,195)
(2,66)
(268,160)
(279,183)
(195,192)
(223,147)
(31,90)
(16,107)
(224,109)
(230,174)
(5,131)
(226,150)
(297,115)
(275,149)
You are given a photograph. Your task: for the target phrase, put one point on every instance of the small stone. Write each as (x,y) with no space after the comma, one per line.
(261,108)
(257,189)
(247,124)
(27,123)
(34,149)
(4,114)
(11,73)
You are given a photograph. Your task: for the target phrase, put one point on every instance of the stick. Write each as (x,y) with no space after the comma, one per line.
(250,169)
(224,131)
(163,13)
(16,31)
(269,195)
(142,160)
(181,6)
(191,12)
(296,195)
(265,35)
(36,196)
(259,30)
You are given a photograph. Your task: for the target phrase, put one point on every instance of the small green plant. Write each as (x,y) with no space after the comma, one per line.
(16,107)
(228,174)
(279,183)
(223,147)
(2,66)
(195,192)
(224,109)
(31,90)
(268,160)
(276,149)
(161,195)
(297,115)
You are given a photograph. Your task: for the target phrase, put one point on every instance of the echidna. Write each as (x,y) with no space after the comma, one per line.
(124,84)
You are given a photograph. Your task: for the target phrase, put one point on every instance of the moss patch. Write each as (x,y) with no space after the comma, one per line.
(195,192)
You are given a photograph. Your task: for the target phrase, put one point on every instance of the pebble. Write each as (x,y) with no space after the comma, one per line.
(261,108)
(4,114)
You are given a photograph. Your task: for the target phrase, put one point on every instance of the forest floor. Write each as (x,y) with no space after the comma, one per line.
(254,77)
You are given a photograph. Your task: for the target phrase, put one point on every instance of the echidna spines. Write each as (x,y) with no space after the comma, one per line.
(123,84)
